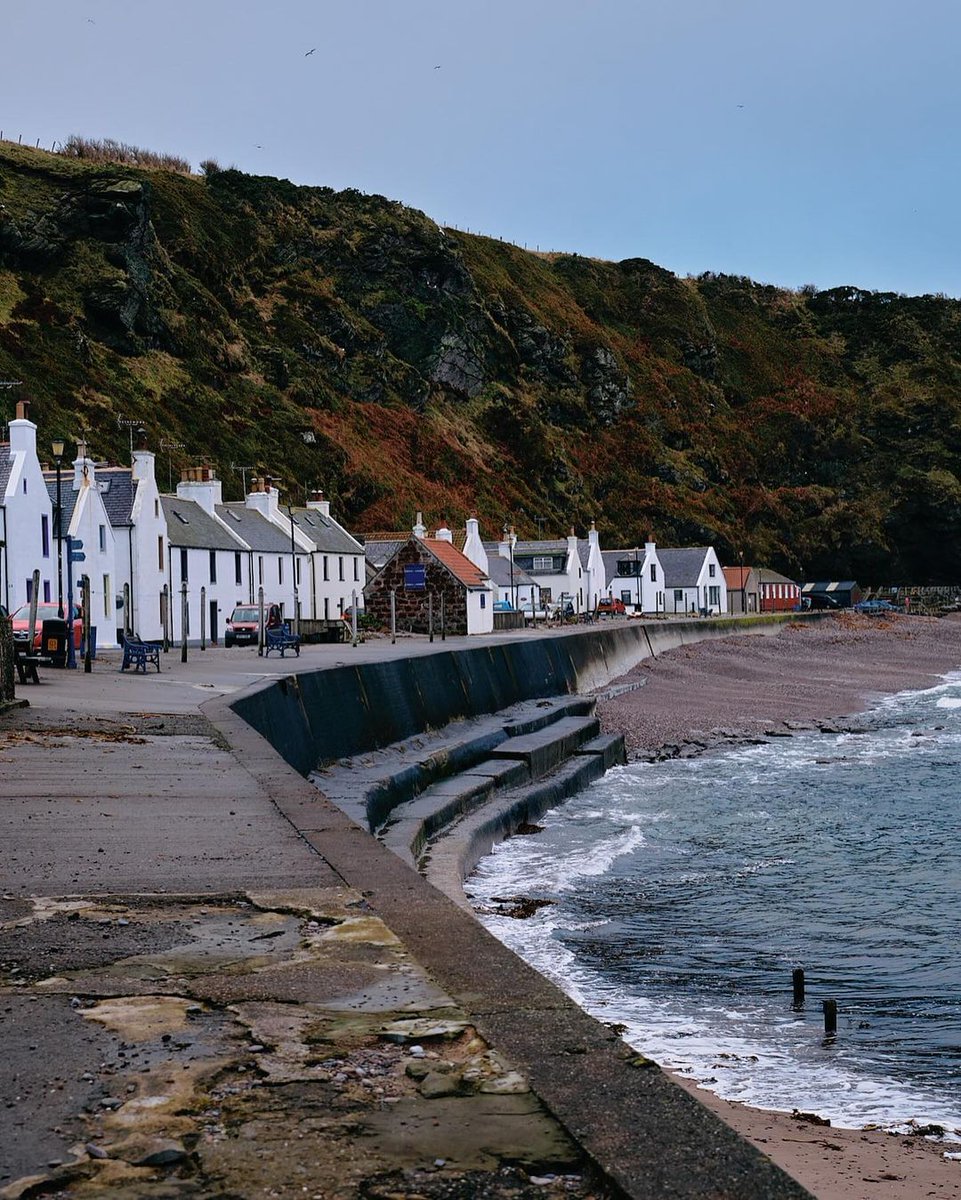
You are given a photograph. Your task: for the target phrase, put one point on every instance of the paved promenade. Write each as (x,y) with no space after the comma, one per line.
(211,984)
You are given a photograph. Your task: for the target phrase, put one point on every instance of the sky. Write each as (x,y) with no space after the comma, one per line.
(805,142)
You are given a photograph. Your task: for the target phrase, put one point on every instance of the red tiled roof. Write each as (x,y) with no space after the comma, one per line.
(733,577)
(461,568)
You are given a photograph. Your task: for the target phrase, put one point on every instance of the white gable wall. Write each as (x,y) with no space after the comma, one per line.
(27,512)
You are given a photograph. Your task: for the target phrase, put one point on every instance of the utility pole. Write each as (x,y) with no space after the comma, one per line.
(243,473)
(169,444)
(130,425)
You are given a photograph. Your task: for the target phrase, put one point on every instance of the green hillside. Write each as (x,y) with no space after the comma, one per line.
(344,341)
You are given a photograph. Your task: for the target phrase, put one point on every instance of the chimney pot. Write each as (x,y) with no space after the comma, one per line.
(23,410)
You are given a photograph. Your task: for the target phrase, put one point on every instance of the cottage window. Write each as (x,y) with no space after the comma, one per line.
(710,569)
(340,567)
(213,566)
(46,591)
(483,600)
(326,568)
(542,563)
(156,508)
(714,596)
(653,573)
(183,566)
(356,570)
(45,534)
(160,553)
(24,487)
(297,570)
(238,569)
(260,569)
(106,595)
(678,595)
(326,608)
(280,572)
(103,538)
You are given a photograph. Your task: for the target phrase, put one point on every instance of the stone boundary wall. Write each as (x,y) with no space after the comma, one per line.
(315,717)
(6,662)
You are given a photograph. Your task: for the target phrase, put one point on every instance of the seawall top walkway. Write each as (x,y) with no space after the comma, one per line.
(212,983)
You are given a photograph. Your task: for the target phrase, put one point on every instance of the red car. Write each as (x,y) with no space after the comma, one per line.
(609,606)
(45,612)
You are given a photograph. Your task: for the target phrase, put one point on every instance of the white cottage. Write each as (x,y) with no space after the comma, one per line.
(27,529)
(205,553)
(693,581)
(85,518)
(132,500)
(511,583)
(636,578)
(555,567)
(337,573)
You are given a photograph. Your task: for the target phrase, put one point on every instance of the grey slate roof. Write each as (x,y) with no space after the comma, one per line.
(765,575)
(68,498)
(499,572)
(681,567)
(5,467)
(380,551)
(117,488)
(189,527)
(545,548)
(259,533)
(325,533)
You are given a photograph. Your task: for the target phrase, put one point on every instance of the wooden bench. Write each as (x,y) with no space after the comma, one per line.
(137,653)
(27,664)
(281,639)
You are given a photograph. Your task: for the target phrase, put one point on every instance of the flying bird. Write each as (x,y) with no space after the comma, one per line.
(436,68)
(310,52)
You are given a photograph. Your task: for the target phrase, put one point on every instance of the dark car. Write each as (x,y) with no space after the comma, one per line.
(878,607)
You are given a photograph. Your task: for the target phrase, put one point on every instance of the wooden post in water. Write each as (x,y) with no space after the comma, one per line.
(797,977)
(830,1016)
(430,614)
(393,616)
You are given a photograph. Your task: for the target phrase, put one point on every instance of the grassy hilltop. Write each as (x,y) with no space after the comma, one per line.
(344,341)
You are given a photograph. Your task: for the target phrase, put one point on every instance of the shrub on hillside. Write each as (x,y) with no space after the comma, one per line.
(107,150)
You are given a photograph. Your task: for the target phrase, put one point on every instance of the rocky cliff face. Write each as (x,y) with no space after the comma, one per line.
(345,341)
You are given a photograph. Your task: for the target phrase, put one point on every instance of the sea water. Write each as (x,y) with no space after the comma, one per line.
(683,894)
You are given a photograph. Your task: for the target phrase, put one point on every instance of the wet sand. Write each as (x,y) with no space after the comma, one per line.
(717,693)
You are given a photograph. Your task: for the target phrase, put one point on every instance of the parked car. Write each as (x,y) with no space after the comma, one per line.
(503,606)
(610,606)
(45,612)
(877,607)
(243,625)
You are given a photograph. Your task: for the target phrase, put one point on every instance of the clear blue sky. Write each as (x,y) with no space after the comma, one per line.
(608,127)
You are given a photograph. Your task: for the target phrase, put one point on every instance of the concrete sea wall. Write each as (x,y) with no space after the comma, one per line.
(315,717)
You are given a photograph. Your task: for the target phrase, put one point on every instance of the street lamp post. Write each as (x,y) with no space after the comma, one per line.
(511,539)
(743,595)
(57,446)
(293,567)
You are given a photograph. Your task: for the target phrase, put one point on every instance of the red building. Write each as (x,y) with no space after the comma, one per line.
(778,593)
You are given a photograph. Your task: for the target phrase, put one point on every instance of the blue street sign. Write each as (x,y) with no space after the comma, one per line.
(76,543)
(78,556)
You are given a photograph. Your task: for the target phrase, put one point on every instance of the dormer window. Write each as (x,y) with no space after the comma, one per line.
(543,564)
(710,569)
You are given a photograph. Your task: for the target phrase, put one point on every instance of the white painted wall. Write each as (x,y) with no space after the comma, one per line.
(90,523)
(26,508)
(147,573)
(480,610)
